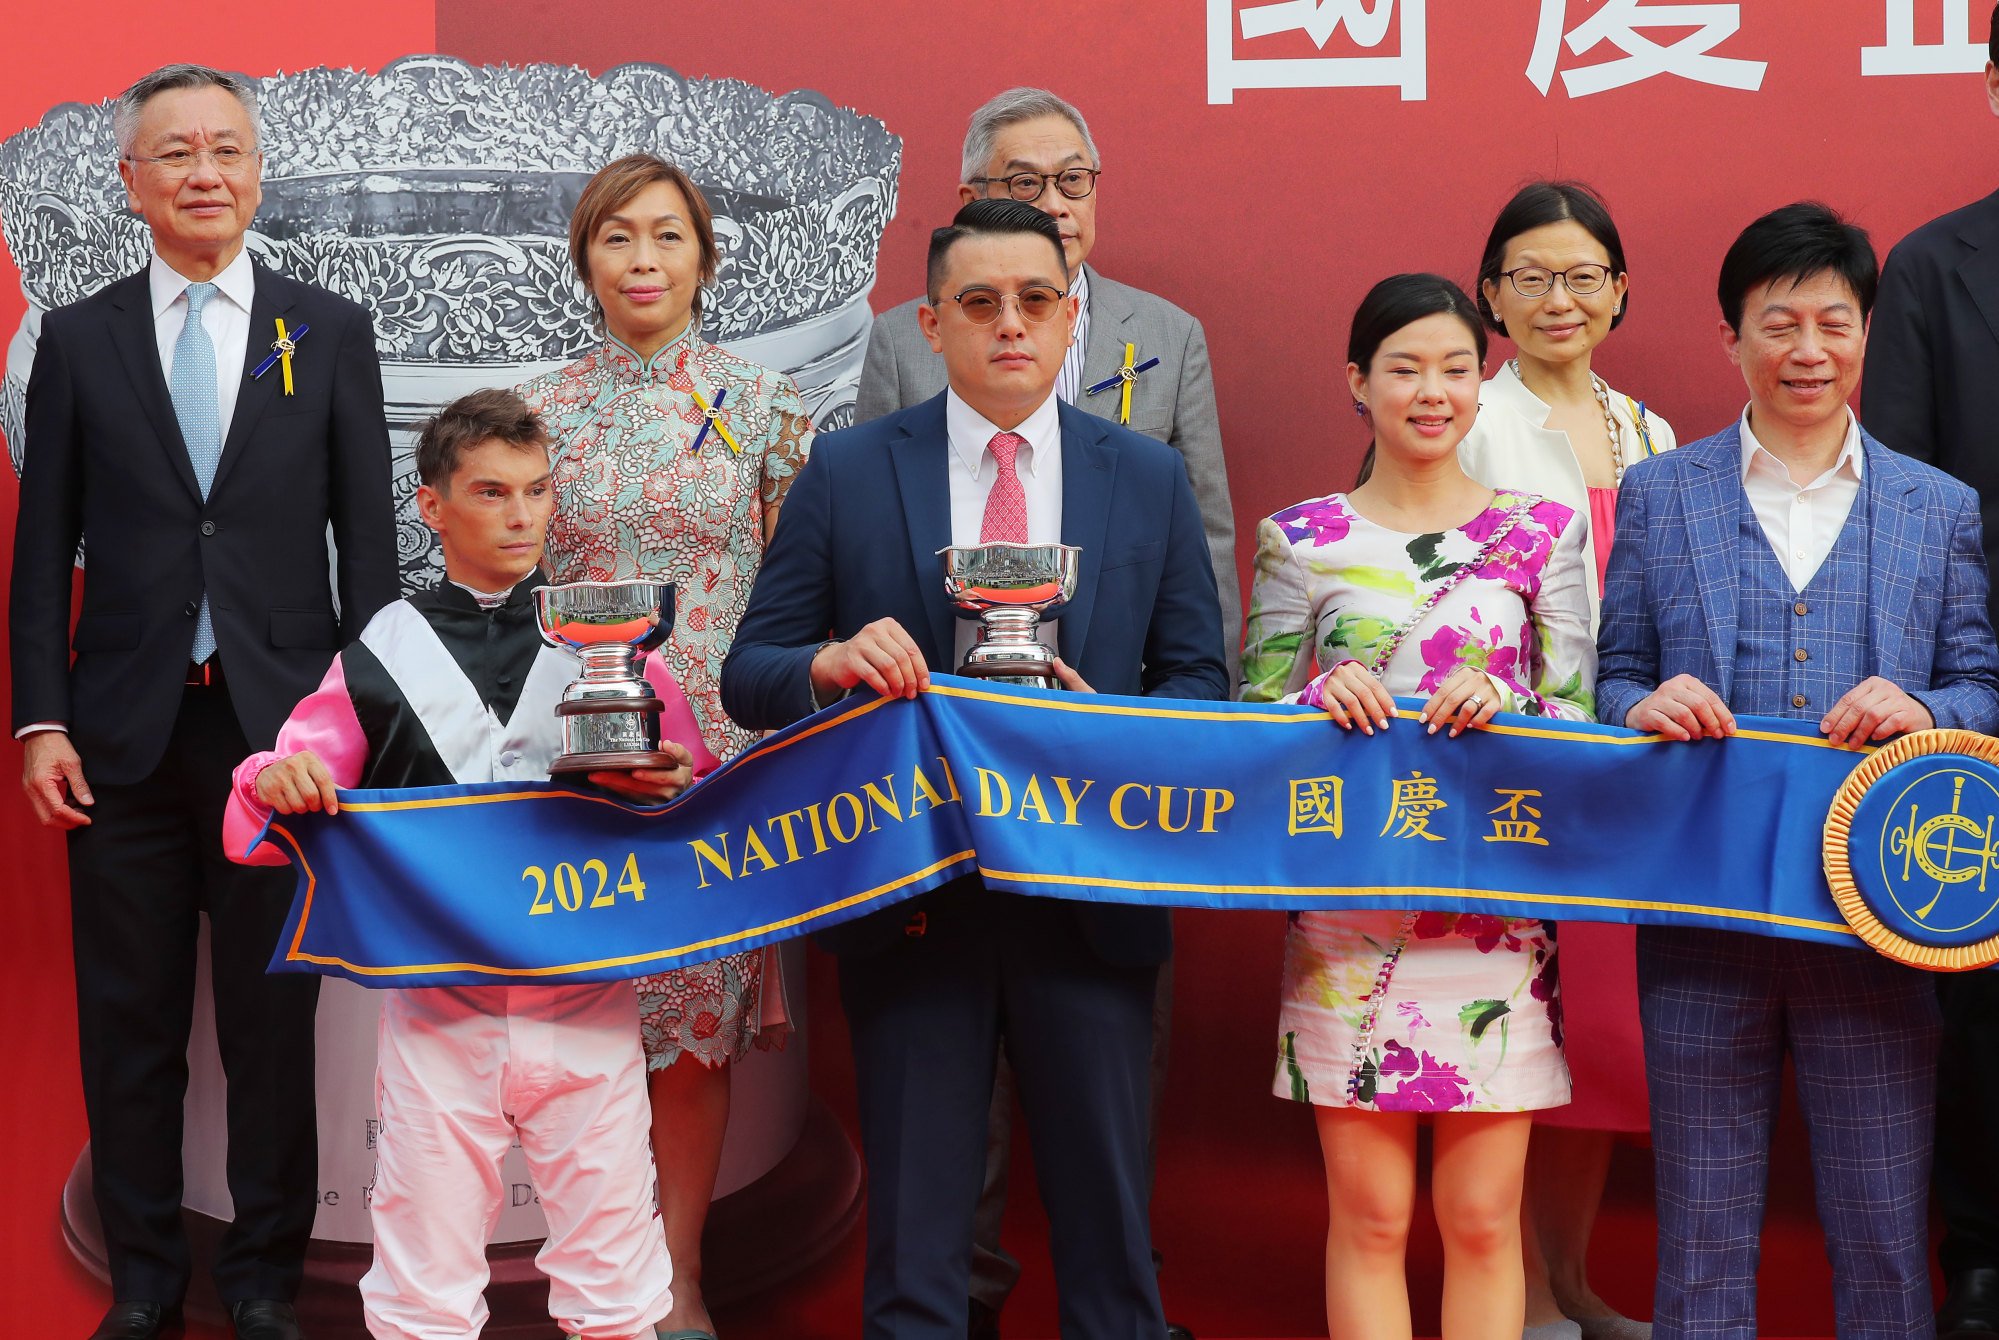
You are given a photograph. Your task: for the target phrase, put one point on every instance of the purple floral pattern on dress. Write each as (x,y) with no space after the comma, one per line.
(1487,649)
(1321,521)
(1422,1011)
(1415,1081)
(1547,987)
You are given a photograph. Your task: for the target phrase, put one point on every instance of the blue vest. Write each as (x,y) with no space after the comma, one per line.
(1789,661)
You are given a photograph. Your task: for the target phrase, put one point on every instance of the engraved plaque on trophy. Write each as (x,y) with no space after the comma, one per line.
(610,717)
(1010,589)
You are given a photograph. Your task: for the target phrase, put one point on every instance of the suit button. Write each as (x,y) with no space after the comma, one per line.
(208,528)
(190,609)
(1802,654)
(1801,609)
(1797,700)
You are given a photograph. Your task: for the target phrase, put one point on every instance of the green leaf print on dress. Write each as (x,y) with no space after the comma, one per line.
(1358,635)
(1300,1091)
(1431,566)
(1481,1015)
(1386,580)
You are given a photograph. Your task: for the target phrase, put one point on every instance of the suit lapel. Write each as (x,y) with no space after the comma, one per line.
(923,484)
(1895,526)
(134,334)
(1711,499)
(1979,272)
(1103,352)
(1089,470)
(270,301)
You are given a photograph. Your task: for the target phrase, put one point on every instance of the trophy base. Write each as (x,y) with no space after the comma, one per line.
(1027,672)
(620,760)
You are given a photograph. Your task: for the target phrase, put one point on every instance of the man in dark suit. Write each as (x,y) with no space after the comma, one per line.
(1028,144)
(1792,566)
(202,496)
(934,990)
(1930,393)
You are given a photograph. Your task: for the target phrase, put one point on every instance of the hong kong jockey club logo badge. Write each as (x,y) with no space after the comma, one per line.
(1910,850)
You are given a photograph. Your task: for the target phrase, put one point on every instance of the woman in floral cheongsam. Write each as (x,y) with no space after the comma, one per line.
(672,459)
(1421,581)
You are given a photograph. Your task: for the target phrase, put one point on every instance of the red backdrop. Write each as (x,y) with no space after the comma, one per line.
(1266,217)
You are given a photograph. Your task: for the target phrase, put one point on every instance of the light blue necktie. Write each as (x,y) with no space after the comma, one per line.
(194,392)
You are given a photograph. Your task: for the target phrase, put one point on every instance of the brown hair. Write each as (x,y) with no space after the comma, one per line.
(471,421)
(613,188)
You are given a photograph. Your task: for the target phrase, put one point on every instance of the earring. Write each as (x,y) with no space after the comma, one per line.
(1360,408)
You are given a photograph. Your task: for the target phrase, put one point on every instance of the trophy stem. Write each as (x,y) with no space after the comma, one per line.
(607,661)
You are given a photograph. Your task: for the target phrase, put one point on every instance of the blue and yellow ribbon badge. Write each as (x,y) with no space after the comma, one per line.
(1637,409)
(1910,851)
(282,349)
(711,416)
(1126,375)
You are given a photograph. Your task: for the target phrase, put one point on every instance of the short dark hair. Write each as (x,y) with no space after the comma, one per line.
(1992,42)
(1536,205)
(988,218)
(466,423)
(1795,243)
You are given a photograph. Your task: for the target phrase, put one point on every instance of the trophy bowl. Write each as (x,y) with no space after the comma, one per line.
(610,718)
(1010,588)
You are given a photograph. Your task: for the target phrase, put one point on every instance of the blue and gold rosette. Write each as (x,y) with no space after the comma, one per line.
(1910,853)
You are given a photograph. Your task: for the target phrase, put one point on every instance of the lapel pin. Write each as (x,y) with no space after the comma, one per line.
(282,349)
(711,416)
(1126,375)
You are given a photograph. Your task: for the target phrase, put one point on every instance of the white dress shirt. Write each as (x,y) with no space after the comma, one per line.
(1069,382)
(226,318)
(972,471)
(1801,521)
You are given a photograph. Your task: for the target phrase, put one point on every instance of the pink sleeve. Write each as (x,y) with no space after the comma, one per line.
(323,722)
(676,717)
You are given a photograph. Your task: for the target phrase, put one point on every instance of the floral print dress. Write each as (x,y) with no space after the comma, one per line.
(1422,1011)
(635,498)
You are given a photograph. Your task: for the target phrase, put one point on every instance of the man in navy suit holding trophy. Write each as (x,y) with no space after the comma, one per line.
(933,989)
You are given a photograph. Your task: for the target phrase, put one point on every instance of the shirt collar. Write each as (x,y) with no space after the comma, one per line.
(1852,457)
(492,600)
(238,282)
(971,431)
(1079,287)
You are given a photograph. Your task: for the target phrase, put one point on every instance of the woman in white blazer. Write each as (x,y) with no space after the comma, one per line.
(1547,424)
(1553,281)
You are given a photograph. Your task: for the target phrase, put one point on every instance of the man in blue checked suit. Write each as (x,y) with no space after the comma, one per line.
(1792,566)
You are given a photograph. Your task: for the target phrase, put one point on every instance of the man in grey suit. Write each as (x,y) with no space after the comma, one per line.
(1030,145)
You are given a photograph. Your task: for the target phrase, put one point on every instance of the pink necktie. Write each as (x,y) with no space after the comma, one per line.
(1006,505)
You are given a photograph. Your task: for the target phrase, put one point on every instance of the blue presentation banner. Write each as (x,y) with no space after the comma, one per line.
(1051,794)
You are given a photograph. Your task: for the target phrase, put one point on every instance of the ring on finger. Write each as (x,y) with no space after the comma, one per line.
(1476,702)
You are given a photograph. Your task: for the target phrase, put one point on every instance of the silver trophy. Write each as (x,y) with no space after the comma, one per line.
(1010,589)
(610,718)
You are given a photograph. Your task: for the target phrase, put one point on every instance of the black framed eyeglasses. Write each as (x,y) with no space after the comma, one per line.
(1536,281)
(982,305)
(1075,183)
